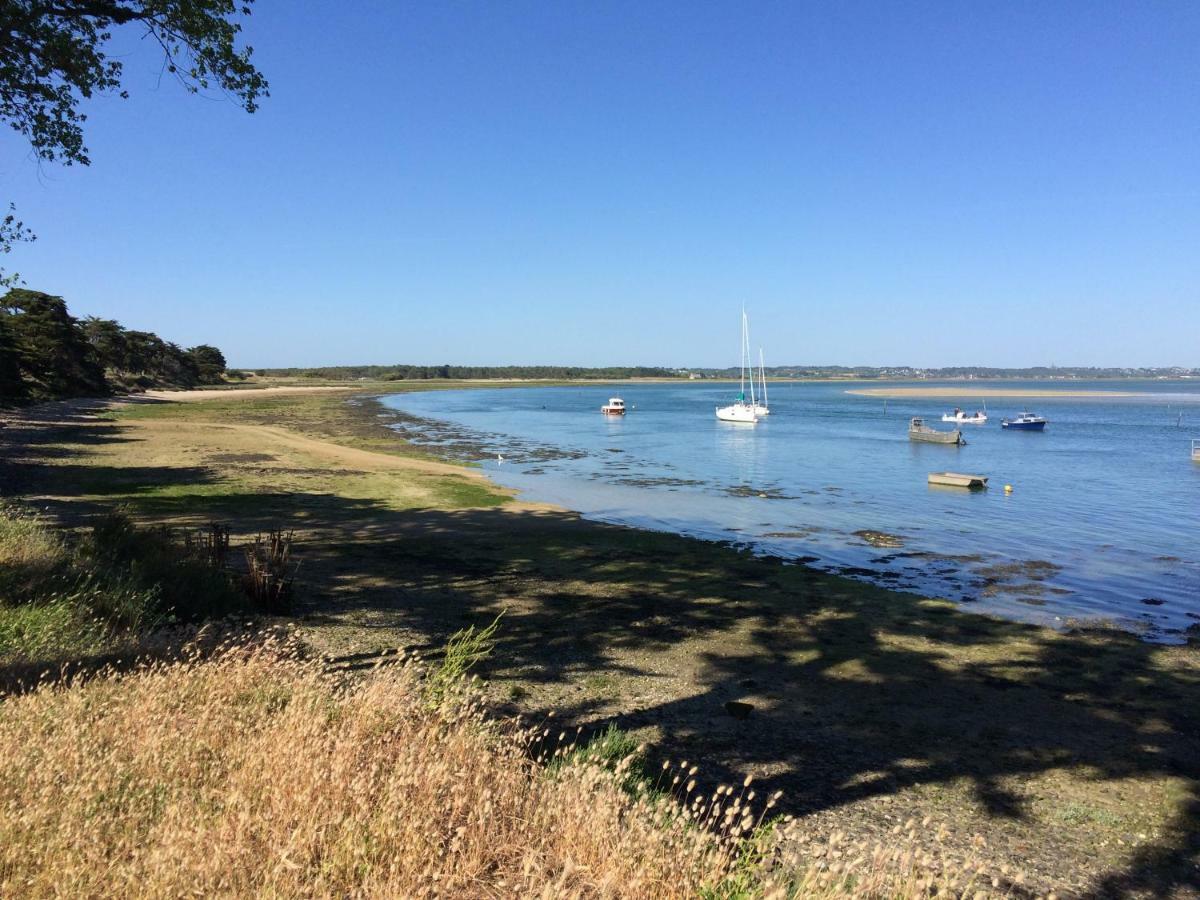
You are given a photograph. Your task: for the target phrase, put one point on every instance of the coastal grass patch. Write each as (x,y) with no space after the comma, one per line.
(254,772)
(65,597)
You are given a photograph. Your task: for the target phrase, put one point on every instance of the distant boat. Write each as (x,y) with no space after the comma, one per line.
(614,407)
(740,411)
(919,431)
(960,417)
(1026,421)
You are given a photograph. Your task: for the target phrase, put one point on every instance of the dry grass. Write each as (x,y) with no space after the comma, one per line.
(255,774)
(27,544)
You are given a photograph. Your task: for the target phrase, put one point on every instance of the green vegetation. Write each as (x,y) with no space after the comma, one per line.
(65,597)
(47,354)
(462,653)
(402,372)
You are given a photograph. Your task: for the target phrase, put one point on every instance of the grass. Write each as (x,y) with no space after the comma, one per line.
(870,706)
(63,599)
(253,773)
(155,784)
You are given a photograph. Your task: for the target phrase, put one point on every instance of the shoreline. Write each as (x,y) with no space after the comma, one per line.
(974,392)
(944,572)
(868,706)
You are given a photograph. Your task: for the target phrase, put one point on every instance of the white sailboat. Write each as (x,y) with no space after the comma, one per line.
(761,408)
(740,411)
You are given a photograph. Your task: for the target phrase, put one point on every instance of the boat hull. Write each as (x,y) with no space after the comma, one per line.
(959,480)
(1023,426)
(937,437)
(738,414)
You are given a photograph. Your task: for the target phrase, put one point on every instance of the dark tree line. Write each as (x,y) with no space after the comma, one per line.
(423,373)
(48,354)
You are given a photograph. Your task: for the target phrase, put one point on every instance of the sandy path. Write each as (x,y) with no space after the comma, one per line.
(338,455)
(244,393)
(951,392)
(348,456)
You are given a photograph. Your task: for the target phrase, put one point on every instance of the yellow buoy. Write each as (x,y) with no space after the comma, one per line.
(1008,489)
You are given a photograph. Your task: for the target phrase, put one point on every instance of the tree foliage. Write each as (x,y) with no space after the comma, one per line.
(47,354)
(54,55)
(51,349)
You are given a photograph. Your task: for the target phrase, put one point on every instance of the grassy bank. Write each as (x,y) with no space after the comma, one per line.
(155,784)
(1073,756)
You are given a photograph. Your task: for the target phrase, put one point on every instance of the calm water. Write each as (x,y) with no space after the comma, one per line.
(1103,522)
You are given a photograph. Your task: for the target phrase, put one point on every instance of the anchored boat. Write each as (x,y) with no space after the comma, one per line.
(919,431)
(614,407)
(761,408)
(740,411)
(962,418)
(1026,421)
(959,479)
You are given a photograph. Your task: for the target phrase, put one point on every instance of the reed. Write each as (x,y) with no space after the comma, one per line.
(269,581)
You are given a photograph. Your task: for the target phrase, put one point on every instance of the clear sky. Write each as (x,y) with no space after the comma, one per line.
(607,183)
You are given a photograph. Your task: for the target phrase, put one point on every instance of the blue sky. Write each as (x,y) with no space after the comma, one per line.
(607,183)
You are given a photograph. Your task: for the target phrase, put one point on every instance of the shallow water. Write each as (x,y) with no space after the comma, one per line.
(1103,522)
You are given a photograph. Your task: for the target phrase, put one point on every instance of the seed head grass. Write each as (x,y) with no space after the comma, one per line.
(252,771)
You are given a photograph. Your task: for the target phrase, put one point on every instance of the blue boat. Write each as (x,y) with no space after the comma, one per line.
(1026,421)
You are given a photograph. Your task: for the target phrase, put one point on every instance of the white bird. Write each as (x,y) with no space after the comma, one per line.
(499,460)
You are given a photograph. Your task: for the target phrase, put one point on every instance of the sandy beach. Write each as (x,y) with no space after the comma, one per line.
(951,391)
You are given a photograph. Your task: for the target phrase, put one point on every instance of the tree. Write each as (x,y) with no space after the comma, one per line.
(209,363)
(51,348)
(53,56)
(108,340)
(12,383)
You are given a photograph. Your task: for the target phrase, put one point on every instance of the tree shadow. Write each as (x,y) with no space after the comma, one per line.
(858,693)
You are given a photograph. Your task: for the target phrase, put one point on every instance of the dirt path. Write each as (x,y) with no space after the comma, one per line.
(195,396)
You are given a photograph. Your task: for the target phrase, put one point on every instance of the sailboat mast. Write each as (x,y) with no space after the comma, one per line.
(749,358)
(742,361)
(762,371)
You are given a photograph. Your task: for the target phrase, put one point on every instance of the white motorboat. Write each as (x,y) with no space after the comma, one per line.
(962,418)
(614,407)
(740,410)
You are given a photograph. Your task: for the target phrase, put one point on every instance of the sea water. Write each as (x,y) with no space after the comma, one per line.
(1102,524)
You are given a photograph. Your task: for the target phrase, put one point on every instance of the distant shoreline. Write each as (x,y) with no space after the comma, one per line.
(953,391)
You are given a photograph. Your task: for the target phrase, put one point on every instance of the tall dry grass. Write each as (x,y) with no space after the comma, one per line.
(253,773)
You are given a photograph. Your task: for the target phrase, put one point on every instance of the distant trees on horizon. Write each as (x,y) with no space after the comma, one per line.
(402,372)
(48,354)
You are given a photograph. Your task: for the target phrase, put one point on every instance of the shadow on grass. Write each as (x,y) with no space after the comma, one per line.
(858,692)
